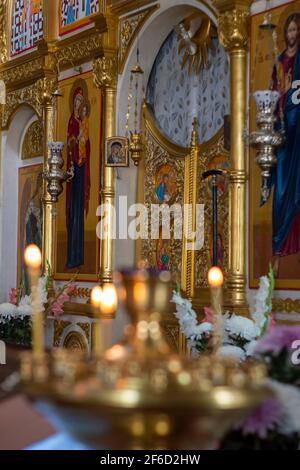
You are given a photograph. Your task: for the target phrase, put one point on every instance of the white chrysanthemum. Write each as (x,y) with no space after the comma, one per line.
(42,290)
(24,310)
(250,347)
(241,326)
(204,327)
(232,351)
(289,397)
(8,310)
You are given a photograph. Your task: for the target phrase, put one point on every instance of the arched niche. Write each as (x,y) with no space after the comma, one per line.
(151,38)
(153,33)
(11,161)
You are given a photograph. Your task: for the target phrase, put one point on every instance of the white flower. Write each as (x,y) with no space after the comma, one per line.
(186,316)
(24,310)
(232,351)
(8,310)
(25,300)
(241,326)
(289,397)
(42,290)
(260,307)
(204,327)
(250,347)
(178,300)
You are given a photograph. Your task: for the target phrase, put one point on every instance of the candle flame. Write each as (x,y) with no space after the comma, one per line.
(96,296)
(109,299)
(33,256)
(215,277)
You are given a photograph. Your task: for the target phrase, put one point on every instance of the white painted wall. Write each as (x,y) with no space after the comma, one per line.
(11,146)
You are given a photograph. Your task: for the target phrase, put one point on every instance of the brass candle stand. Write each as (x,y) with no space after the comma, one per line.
(139,394)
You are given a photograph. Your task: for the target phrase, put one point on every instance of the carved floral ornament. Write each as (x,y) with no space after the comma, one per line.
(33,141)
(105,72)
(129,28)
(233,29)
(33,95)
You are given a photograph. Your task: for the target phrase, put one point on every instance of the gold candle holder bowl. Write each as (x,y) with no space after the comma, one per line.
(140,395)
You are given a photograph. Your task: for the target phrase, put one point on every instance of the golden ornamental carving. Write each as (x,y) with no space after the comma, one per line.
(33,145)
(59,326)
(86,327)
(82,292)
(158,153)
(34,95)
(79,51)
(171,333)
(200,31)
(209,154)
(233,29)
(123,7)
(105,72)
(286,305)
(3,31)
(22,72)
(129,28)
(75,341)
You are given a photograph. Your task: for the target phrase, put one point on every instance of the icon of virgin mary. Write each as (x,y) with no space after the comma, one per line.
(78,189)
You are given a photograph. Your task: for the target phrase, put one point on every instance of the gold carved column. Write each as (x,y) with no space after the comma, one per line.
(233,34)
(105,78)
(49,217)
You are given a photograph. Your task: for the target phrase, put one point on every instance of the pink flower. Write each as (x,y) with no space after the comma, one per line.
(277,339)
(265,418)
(13,296)
(57,305)
(208,315)
(70,289)
(57,310)
(272,323)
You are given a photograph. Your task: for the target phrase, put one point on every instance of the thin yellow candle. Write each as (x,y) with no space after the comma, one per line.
(96,297)
(216,280)
(33,260)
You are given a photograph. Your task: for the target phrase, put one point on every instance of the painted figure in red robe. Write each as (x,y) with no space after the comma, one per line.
(78,190)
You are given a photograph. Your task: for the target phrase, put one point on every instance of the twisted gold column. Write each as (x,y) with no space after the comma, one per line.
(233,34)
(105,78)
(190,225)
(190,219)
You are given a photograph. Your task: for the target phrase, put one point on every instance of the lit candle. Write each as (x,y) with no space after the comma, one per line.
(109,300)
(33,260)
(108,308)
(216,280)
(96,297)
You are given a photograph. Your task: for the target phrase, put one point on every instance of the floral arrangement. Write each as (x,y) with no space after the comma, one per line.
(276,423)
(15,315)
(239,334)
